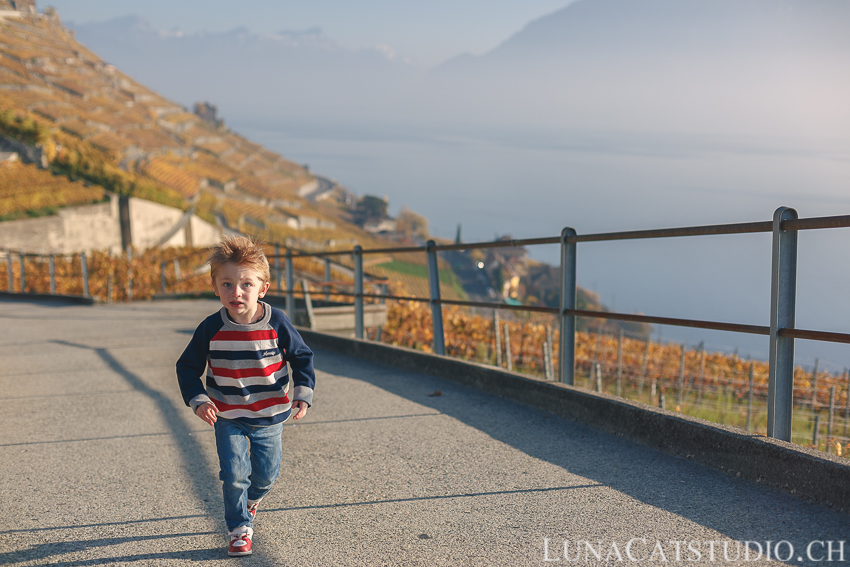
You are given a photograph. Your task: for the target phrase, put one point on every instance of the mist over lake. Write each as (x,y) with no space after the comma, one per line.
(531,184)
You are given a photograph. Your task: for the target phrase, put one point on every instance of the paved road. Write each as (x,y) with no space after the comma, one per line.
(101,464)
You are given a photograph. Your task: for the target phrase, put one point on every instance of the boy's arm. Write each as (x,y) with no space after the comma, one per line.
(300,359)
(191,365)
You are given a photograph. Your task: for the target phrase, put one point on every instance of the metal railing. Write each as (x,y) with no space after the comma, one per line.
(21,277)
(781,330)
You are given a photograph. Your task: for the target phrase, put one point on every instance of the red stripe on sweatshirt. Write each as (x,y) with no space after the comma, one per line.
(256,406)
(245,335)
(247,372)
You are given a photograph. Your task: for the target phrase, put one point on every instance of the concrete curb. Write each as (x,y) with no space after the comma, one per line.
(76,299)
(803,472)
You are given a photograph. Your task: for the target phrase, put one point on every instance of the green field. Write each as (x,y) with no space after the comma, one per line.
(447,276)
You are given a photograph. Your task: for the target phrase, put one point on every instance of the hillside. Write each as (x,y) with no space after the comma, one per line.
(46,192)
(93,122)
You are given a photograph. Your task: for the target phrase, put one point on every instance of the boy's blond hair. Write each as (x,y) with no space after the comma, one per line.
(241,251)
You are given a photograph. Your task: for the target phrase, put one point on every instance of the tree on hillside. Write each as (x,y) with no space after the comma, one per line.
(369,208)
(412,225)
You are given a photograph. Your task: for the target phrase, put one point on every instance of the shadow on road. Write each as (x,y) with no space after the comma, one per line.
(738,509)
(204,483)
(45,551)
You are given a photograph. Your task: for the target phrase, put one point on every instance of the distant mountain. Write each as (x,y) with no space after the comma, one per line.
(716,67)
(248,74)
(733,65)
(618,29)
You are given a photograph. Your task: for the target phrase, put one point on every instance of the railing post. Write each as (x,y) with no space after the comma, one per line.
(358,291)
(750,399)
(85,269)
(681,399)
(327,279)
(783,297)
(129,273)
(162,276)
(567,360)
(277,266)
(290,288)
(497,337)
(51,264)
(436,306)
(620,364)
(22,258)
(508,358)
(384,290)
(9,271)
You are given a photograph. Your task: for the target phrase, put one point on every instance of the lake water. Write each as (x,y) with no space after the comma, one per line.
(532,184)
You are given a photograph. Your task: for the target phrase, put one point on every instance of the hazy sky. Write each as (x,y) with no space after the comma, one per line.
(425,31)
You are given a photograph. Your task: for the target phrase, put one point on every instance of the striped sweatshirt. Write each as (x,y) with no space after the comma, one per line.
(245,367)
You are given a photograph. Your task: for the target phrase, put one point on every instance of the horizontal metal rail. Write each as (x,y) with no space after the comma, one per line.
(38,254)
(841,221)
(395,297)
(676,322)
(506,306)
(815,335)
(672,321)
(499,244)
(737,228)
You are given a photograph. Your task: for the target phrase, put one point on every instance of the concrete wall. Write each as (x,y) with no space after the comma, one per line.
(803,472)
(94,227)
(32,235)
(203,233)
(98,227)
(88,227)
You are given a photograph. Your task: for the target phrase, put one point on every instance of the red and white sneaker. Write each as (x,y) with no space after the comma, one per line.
(252,509)
(239,545)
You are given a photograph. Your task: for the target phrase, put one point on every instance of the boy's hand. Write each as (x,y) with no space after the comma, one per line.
(302,409)
(207,411)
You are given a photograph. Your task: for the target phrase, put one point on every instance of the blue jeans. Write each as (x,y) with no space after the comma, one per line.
(249,457)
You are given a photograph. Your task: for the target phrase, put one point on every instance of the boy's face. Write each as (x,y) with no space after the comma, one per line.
(239,288)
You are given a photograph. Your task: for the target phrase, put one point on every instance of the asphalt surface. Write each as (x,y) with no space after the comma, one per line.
(101,464)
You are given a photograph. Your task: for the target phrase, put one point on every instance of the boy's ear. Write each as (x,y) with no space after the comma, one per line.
(264,290)
(215,289)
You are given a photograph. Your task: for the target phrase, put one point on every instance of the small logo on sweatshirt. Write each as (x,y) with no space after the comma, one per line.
(268,353)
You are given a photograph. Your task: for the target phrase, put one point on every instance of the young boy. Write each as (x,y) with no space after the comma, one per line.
(243,350)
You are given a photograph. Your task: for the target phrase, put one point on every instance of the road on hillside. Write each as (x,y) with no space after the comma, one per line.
(101,464)
(323,186)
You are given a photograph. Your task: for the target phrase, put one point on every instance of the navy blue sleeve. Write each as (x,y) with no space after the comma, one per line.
(192,364)
(297,354)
